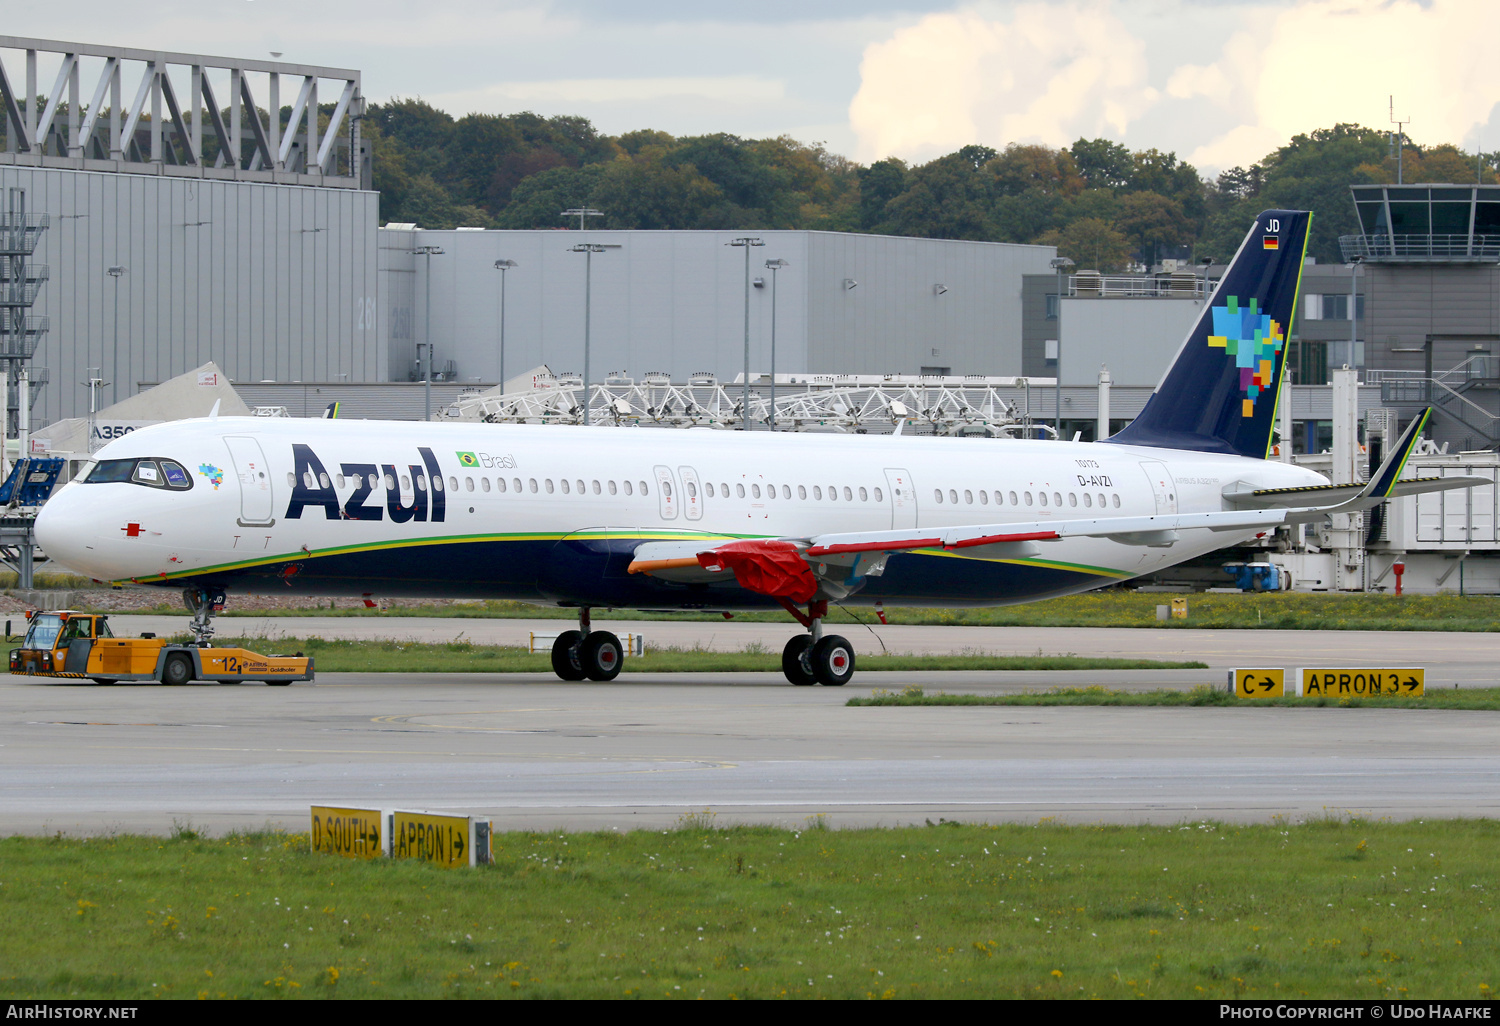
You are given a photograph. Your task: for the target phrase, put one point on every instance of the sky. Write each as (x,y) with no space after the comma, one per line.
(1219,82)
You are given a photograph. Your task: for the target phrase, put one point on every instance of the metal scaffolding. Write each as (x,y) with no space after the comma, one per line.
(153,131)
(934,406)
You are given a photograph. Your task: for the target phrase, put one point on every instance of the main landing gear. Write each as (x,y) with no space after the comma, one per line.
(587,654)
(815,657)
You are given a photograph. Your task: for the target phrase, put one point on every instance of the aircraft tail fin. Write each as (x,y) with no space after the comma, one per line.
(1220,393)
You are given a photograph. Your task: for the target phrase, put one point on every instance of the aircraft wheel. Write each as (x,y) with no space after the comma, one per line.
(601,656)
(832,661)
(794,661)
(178,669)
(565,662)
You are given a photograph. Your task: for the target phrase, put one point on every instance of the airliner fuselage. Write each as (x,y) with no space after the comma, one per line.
(554,514)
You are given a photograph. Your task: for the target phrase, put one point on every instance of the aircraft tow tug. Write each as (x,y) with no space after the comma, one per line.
(68,644)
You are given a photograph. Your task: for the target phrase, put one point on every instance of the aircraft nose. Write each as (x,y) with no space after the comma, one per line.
(65,530)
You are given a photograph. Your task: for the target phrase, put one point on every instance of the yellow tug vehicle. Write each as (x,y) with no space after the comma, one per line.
(80,645)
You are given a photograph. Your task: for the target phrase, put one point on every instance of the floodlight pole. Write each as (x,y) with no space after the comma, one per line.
(502,266)
(114,362)
(774,266)
(429,252)
(581,213)
(747,242)
(588,249)
(1059,264)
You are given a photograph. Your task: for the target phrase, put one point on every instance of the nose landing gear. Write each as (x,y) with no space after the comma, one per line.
(585,653)
(815,657)
(204,605)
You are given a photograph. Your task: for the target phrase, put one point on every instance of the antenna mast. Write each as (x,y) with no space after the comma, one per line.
(1400,138)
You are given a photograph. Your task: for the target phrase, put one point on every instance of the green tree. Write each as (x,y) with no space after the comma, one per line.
(879,183)
(1103,164)
(1152,221)
(1090,243)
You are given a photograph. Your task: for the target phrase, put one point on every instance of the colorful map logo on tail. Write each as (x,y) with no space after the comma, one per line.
(1254,340)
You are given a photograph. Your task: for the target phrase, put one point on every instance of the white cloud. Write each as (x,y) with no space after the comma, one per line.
(1050,73)
(1322,62)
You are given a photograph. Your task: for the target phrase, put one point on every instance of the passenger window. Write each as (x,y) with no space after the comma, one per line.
(307,478)
(533,485)
(953,496)
(1102,503)
(627,488)
(437,483)
(644,489)
(1088,500)
(468,484)
(1116,499)
(817,493)
(390,481)
(422,483)
(1072,499)
(864,496)
(739,490)
(613,489)
(405,483)
(937,493)
(1057,498)
(484,483)
(723,489)
(1013,500)
(802,491)
(786,491)
(692,490)
(879,496)
(984,497)
(500,484)
(755,490)
(374,481)
(323,480)
(340,479)
(565,486)
(708,489)
(516,484)
(549,486)
(848,495)
(833,493)
(1041,498)
(968,497)
(666,487)
(1028,498)
(581,489)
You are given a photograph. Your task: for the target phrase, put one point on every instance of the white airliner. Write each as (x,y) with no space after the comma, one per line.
(709,520)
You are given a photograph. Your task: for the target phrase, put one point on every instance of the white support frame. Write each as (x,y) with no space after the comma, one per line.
(328,155)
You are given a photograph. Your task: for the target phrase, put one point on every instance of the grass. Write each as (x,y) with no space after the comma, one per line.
(1332,908)
(1436,698)
(460,656)
(1115,607)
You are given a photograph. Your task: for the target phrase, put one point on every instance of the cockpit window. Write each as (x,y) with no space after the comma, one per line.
(152,473)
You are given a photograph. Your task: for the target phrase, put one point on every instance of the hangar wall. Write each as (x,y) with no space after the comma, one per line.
(674,301)
(268,281)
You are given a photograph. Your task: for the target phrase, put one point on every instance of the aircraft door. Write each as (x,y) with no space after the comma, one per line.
(1163,488)
(903,498)
(256,498)
(692,493)
(666,491)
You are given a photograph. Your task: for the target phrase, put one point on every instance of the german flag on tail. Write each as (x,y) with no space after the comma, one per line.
(1270,242)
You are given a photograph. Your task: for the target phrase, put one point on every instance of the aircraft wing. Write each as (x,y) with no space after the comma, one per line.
(799,569)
